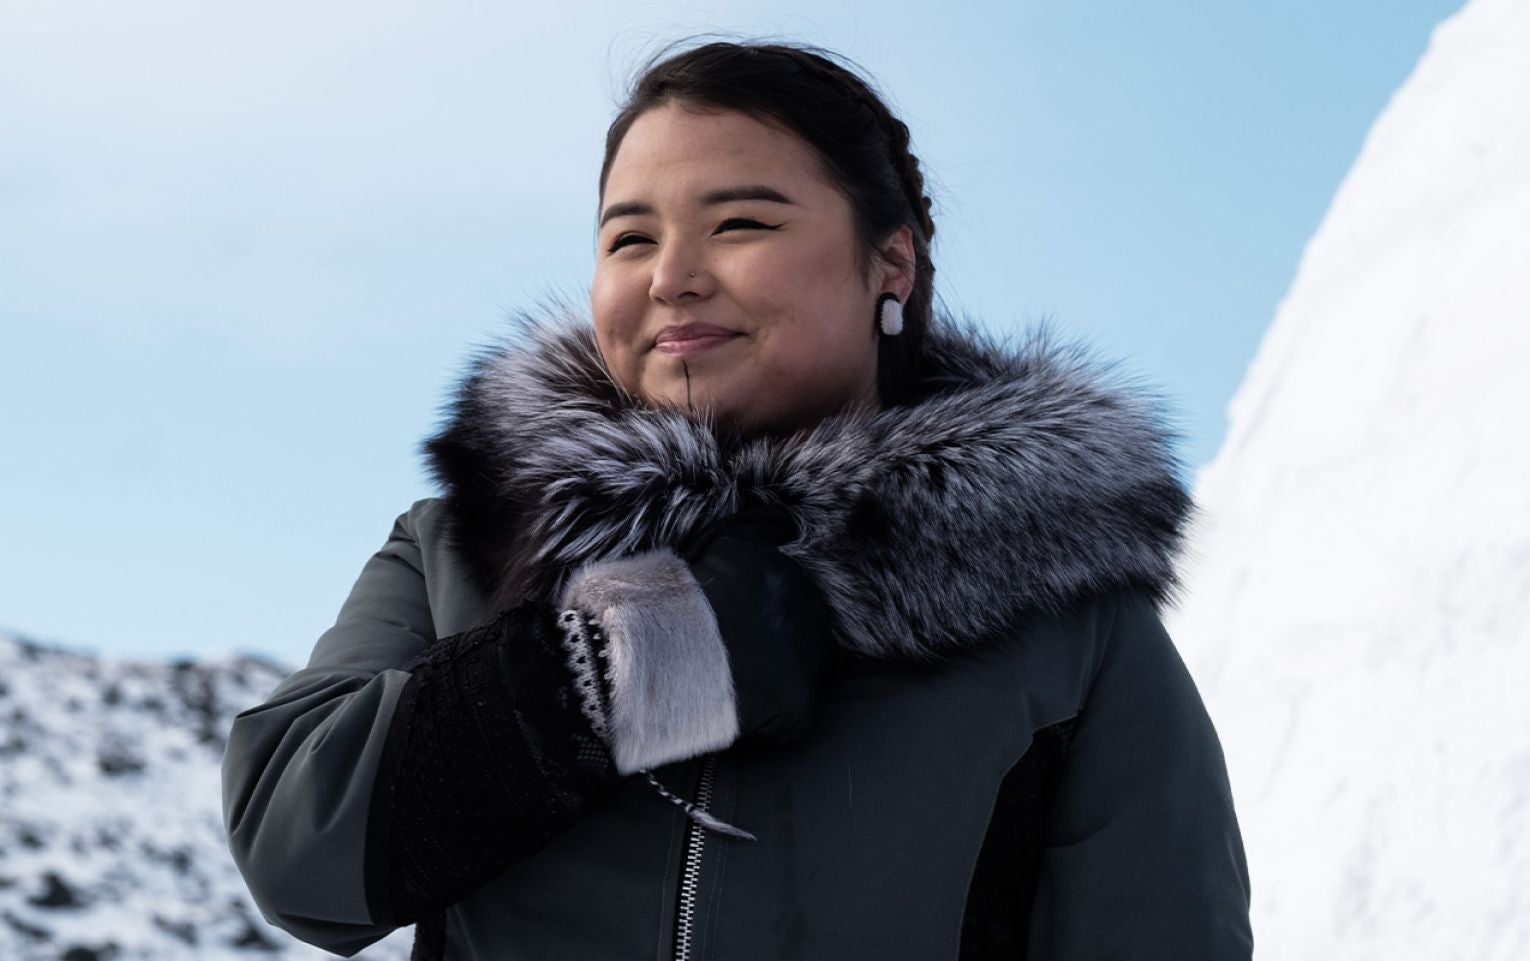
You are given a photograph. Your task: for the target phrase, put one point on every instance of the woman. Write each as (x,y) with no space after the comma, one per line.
(764,617)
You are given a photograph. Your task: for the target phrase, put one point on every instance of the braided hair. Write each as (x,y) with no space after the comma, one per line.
(864,148)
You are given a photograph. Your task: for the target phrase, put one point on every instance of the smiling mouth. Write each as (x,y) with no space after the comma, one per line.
(696,343)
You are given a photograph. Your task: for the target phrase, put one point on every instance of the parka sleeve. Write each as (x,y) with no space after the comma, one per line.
(1143,858)
(397,772)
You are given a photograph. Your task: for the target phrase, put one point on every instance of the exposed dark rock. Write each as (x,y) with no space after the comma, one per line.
(262,664)
(253,939)
(181,930)
(115,760)
(80,952)
(57,893)
(193,684)
(24,928)
(178,857)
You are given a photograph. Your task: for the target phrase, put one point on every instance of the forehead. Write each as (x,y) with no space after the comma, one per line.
(675,149)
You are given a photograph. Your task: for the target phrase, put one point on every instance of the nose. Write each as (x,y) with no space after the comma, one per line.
(678,274)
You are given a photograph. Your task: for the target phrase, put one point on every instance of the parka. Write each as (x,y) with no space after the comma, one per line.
(1009,760)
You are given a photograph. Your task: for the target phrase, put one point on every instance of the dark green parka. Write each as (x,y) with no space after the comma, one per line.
(1009,759)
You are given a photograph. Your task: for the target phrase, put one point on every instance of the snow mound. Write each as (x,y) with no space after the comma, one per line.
(111,838)
(1359,576)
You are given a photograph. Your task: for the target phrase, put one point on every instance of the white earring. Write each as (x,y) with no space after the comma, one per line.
(890,315)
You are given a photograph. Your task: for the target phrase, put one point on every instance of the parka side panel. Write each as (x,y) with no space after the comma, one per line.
(299,769)
(1143,855)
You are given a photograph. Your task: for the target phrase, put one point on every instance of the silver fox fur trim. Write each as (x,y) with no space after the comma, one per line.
(1023,476)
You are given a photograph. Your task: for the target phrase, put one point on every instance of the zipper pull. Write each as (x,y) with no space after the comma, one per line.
(698,814)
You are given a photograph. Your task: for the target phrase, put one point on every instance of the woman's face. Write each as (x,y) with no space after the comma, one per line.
(726,276)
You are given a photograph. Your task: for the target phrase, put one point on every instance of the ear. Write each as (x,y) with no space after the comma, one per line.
(896,263)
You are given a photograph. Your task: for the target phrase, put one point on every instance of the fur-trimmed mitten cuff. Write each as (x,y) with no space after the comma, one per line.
(669,688)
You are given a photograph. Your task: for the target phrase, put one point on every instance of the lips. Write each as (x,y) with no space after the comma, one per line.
(684,340)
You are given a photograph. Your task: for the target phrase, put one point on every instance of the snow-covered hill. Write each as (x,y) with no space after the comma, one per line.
(1358,613)
(111,840)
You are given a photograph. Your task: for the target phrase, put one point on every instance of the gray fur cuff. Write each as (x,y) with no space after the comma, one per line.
(671,686)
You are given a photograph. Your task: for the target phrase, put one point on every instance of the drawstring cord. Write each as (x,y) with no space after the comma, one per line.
(697,814)
(585,644)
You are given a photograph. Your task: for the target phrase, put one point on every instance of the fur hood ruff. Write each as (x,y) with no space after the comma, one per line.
(1027,476)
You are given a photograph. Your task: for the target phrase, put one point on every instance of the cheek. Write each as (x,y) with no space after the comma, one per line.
(811,286)
(826,295)
(820,345)
(614,319)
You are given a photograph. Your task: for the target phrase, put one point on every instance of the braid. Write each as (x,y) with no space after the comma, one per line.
(904,162)
(910,175)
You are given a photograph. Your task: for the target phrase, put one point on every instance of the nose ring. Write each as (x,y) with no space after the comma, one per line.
(693,276)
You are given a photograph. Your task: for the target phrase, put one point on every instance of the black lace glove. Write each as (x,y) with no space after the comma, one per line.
(772,618)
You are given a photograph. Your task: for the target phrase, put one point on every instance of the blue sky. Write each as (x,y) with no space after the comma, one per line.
(246,249)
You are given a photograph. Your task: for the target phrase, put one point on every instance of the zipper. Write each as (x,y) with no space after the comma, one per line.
(690,877)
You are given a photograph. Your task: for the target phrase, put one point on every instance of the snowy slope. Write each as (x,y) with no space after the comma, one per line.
(111,839)
(1358,613)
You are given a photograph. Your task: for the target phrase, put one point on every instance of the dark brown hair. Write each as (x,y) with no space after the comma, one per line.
(864,149)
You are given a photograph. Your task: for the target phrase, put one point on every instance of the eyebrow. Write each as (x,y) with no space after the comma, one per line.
(747,192)
(722,195)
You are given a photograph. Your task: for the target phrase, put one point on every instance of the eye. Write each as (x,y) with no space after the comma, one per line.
(626,240)
(743,223)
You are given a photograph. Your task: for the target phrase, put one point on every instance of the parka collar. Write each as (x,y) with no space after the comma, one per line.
(1026,477)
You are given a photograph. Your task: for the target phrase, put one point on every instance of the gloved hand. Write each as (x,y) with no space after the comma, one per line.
(772,618)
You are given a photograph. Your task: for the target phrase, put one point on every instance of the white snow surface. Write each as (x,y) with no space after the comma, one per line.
(111,836)
(1358,586)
